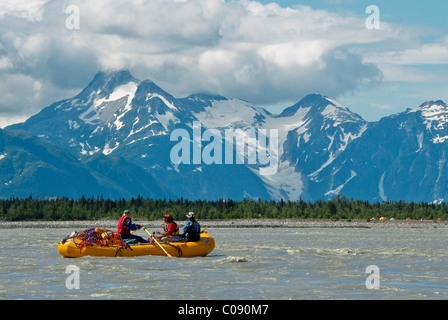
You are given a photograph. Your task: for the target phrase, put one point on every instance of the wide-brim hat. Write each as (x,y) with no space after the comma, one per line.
(191,215)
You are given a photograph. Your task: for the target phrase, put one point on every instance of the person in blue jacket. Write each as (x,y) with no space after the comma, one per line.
(192,229)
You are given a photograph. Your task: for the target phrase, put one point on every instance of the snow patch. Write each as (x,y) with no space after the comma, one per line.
(338,189)
(349,137)
(420,141)
(338,113)
(89,150)
(93,114)
(73,124)
(167,103)
(313,176)
(166,119)
(229,113)
(439,139)
(285,184)
(381,187)
(151,122)
(108,150)
(441,167)
(435,116)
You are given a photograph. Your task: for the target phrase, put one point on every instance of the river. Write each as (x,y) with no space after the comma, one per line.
(246,264)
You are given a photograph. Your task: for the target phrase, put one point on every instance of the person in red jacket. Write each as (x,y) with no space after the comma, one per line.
(125,226)
(171,230)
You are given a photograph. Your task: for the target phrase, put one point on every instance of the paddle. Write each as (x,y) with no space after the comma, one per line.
(132,232)
(156,241)
(203,229)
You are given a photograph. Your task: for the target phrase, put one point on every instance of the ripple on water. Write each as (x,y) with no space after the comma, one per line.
(233,259)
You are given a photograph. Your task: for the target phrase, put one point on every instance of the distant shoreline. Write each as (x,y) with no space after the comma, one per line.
(233,223)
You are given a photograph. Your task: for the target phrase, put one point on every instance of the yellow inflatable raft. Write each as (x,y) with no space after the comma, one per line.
(74,248)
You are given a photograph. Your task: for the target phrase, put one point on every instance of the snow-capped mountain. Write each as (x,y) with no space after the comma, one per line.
(316,131)
(323,149)
(311,134)
(114,109)
(119,115)
(400,157)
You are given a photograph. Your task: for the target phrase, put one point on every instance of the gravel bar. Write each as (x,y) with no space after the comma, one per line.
(234,223)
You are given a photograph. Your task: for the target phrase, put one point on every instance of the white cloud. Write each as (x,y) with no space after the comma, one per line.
(382,106)
(412,61)
(261,53)
(5,63)
(433,53)
(29,10)
(408,73)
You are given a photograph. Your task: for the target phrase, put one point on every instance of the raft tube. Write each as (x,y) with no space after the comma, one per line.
(71,249)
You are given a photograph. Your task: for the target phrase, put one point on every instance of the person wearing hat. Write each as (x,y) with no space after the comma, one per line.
(192,229)
(125,226)
(171,230)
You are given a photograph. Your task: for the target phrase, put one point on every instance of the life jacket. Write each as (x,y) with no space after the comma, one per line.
(176,230)
(122,227)
(193,231)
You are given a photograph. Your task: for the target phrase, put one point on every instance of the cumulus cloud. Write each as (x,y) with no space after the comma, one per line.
(244,49)
(28,10)
(425,54)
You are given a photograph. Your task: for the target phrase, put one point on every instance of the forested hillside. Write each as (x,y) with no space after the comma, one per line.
(98,208)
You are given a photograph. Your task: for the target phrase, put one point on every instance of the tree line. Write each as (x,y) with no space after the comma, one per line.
(65,209)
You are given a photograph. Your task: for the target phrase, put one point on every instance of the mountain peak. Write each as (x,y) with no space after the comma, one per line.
(114,75)
(433,113)
(430,109)
(107,81)
(439,104)
(311,100)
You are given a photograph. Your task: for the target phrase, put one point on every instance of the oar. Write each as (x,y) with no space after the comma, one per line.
(157,242)
(132,232)
(204,229)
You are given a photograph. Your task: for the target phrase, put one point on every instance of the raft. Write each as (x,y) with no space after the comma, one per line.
(73,248)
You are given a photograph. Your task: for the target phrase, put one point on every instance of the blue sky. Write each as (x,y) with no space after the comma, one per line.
(269,53)
(413,13)
(427,20)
